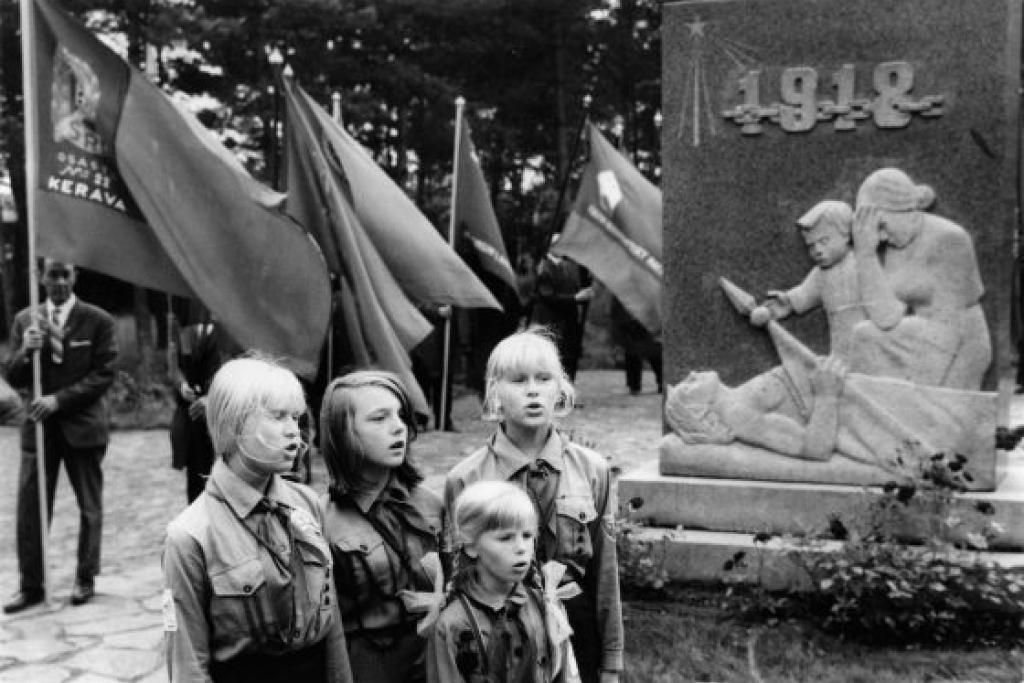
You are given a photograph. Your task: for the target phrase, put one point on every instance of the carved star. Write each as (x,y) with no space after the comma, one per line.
(697,27)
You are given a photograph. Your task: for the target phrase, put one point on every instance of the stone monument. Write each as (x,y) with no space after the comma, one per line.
(840,204)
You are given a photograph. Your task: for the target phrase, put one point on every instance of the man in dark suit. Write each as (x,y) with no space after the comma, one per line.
(202,349)
(560,293)
(77,350)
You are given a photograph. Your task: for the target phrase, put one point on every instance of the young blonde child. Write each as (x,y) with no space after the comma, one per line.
(498,626)
(526,390)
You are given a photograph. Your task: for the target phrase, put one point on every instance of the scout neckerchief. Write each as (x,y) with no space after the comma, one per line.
(392,510)
(281,512)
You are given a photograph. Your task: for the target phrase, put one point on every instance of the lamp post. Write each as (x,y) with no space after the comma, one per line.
(275,59)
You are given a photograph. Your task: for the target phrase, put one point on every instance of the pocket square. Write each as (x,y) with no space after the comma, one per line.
(79,342)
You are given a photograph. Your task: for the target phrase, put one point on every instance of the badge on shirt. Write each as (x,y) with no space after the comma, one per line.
(170,616)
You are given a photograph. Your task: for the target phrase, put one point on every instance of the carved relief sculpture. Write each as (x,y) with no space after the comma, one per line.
(921,287)
(831,284)
(905,318)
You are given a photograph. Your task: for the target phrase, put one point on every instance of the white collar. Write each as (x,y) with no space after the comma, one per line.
(64,309)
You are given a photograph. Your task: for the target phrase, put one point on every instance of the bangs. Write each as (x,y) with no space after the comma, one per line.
(280,391)
(524,353)
(511,512)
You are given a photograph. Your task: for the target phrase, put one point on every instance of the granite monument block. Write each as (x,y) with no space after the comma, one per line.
(840,197)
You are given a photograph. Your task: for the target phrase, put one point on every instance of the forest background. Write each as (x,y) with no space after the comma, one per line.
(527,69)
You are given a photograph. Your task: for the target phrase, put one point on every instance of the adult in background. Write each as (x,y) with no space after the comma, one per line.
(77,349)
(202,349)
(560,291)
(638,345)
(247,570)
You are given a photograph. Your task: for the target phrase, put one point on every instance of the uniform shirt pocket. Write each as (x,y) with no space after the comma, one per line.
(575,512)
(235,605)
(359,560)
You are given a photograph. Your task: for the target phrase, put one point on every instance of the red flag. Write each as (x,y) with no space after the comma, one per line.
(126,187)
(615,231)
(474,213)
(428,270)
(380,323)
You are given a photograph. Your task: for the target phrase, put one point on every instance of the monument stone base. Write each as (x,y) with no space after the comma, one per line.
(703,522)
(692,555)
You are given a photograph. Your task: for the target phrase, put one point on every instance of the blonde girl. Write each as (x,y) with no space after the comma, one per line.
(246,567)
(526,391)
(495,627)
(379,521)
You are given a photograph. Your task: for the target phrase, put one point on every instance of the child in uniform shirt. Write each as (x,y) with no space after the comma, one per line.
(498,626)
(379,521)
(247,570)
(526,388)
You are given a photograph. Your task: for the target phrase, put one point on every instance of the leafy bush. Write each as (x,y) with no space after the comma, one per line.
(880,588)
(906,569)
(139,404)
(641,561)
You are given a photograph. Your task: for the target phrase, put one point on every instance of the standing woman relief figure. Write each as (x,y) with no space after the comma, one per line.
(380,523)
(247,569)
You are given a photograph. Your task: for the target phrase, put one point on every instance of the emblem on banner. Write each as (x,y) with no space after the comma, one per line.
(75,99)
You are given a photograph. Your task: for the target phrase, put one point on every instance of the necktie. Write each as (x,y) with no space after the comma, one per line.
(542,485)
(56,338)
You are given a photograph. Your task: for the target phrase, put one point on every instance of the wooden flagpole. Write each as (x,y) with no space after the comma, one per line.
(29,85)
(460,105)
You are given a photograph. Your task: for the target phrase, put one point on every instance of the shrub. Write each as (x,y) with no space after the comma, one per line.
(878,587)
(641,561)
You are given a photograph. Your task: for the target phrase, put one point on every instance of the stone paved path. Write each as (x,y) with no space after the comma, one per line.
(117,637)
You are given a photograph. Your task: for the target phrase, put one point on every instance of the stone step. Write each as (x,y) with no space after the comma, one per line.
(735,505)
(691,555)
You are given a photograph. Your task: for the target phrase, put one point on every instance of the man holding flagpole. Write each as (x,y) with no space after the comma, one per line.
(77,349)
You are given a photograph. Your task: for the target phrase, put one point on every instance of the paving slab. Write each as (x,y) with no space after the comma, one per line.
(34,649)
(118,624)
(158,676)
(38,627)
(154,603)
(93,678)
(146,639)
(101,607)
(43,673)
(117,663)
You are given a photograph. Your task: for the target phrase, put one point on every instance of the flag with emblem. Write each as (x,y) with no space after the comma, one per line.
(129,186)
(614,230)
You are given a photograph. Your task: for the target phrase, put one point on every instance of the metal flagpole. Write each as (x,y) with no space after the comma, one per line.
(564,188)
(460,104)
(29,85)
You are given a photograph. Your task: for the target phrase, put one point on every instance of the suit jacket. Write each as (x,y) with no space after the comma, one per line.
(80,382)
(202,350)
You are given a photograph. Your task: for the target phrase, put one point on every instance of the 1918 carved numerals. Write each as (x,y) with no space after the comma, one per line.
(800,110)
